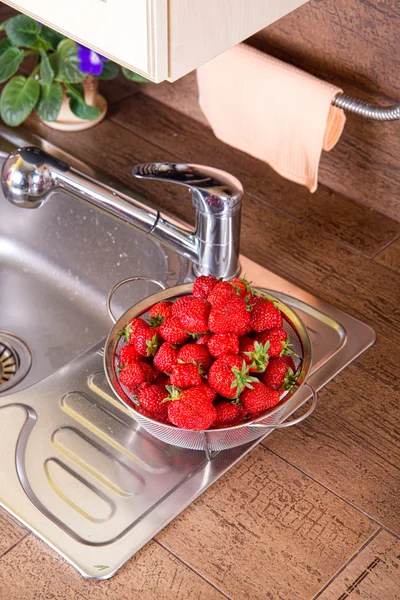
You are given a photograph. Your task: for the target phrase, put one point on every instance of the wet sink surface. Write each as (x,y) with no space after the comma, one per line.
(57,264)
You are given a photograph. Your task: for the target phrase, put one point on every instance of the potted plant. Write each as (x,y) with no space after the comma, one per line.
(62,85)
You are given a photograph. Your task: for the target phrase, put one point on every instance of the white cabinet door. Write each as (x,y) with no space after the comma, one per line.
(134,33)
(202,29)
(160,39)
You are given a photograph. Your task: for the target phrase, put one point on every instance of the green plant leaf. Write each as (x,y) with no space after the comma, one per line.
(4,45)
(41,44)
(22,30)
(110,70)
(49,105)
(3,25)
(51,36)
(83,110)
(78,105)
(18,99)
(68,63)
(134,76)
(75,90)
(10,60)
(46,71)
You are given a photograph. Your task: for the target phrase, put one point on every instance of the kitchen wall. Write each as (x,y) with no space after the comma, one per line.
(356,45)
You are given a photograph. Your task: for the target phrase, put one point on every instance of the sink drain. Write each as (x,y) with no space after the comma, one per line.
(15,360)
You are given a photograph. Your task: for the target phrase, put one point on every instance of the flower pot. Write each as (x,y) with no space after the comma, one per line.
(67,121)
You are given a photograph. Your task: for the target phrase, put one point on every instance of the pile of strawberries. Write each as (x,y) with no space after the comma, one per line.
(210,360)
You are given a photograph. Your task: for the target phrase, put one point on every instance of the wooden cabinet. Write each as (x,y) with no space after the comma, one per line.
(160,39)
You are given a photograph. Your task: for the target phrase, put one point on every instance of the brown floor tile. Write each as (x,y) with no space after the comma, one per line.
(390,257)
(11,531)
(265,530)
(371,575)
(351,444)
(330,213)
(153,574)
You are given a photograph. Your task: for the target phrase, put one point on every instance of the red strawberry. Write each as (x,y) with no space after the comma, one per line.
(162,379)
(243,288)
(151,398)
(128,354)
(258,399)
(179,306)
(146,342)
(228,376)
(133,327)
(191,409)
(204,285)
(207,392)
(221,292)
(159,312)
(230,316)
(166,358)
(184,376)
(223,343)
(135,373)
(264,315)
(279,342)
(255,354)
(194,317)
(197,355)
(203,339)
(280,373)
(172,331)
(136,406)
(229,414)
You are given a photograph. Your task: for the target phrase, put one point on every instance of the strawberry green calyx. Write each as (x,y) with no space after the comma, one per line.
(245,283)
(196,336)
(287,348)
(156,321)
(135,400)
(152,345)
(174,393)
(125,332)
(249,303)
(289,381)
(192,362)
(242,379)
(259,357)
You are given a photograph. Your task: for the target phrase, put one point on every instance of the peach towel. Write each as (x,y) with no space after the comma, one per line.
(271,110)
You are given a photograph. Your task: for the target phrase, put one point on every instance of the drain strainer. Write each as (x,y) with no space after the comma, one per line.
(15,360)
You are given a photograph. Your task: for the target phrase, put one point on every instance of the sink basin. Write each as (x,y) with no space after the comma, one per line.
(57,265)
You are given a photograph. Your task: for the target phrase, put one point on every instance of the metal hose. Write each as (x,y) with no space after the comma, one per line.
(365,109)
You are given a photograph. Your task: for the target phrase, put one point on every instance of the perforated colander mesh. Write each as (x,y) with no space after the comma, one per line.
(215,439)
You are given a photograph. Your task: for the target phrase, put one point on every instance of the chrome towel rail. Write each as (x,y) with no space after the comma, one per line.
(366,109)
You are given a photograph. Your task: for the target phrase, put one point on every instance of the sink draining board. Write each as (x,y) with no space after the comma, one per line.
(79,472)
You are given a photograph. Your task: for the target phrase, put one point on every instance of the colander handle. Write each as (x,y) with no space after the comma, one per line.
(127,280)
(314,399)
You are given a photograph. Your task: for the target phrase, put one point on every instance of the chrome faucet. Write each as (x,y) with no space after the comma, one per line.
(29,175)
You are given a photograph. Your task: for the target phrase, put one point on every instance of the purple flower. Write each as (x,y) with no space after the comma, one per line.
(90,62)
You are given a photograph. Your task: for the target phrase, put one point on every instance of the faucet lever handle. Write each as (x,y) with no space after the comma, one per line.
(204,183)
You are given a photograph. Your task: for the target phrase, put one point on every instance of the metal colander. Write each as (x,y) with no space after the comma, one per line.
(212,439)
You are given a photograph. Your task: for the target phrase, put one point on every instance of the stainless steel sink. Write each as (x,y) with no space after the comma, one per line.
(74,465)
(57,264)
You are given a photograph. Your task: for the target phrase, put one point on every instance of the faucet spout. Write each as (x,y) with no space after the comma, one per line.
(30,175)
(217,197)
